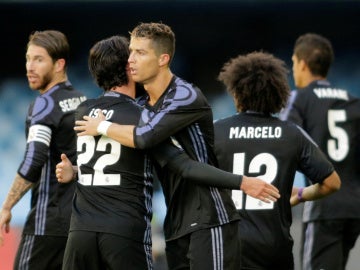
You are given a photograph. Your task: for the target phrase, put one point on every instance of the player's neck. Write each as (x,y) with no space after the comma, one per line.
(158,85)
(56,80)
(311,78)
(128,89)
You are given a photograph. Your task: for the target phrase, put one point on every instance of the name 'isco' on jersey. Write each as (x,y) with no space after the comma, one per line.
(114,191)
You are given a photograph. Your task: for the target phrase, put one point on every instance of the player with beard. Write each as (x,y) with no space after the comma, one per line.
(110,223)
(49,131)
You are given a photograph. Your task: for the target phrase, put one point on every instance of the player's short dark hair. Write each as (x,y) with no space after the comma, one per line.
(162,36)
(108,60)
(257,81)
(316,51)
(53,41)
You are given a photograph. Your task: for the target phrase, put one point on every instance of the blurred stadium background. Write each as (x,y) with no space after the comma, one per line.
(208,34)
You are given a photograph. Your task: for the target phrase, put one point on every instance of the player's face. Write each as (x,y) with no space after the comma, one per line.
(39,68)
(143,60)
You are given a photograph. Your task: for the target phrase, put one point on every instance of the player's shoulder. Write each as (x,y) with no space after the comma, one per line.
(222,120)
(65,96)
(294,131)
(302,93)
(353,108)
(310,89)
(354,100)
(226,120)
(182,93)
(179,84)
(88,103)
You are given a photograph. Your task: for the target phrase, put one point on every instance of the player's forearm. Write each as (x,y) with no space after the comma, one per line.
(19,187)
(206,174)
(317,191)
(123,134)
(203,173)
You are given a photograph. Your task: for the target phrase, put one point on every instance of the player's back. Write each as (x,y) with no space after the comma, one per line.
(114,190)
(331,116)
(258,145)
(261,146)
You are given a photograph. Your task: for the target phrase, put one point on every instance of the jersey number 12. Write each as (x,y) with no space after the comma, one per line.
(271,167)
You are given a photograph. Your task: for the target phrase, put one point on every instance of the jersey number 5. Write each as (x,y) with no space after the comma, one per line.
(338,148)
(271,168)
(99,178)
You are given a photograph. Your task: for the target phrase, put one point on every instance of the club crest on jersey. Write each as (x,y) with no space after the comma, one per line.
(264,132)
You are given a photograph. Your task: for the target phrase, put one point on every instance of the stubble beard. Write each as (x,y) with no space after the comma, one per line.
(43,83)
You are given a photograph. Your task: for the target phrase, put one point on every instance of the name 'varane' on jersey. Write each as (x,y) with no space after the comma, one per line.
(338,137)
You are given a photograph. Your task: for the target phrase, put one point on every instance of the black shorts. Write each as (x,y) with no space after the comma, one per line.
(254,256)
(95,250)
(40,252)
(264,251)
(327,243)
(216,248)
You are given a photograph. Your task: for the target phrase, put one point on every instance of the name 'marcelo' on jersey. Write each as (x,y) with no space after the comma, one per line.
(333,121)
(50,132)
(262,146)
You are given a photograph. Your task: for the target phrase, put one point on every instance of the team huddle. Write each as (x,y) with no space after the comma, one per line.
(228,183)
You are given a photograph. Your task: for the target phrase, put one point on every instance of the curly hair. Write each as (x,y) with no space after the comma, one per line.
(108,60)
(257,81)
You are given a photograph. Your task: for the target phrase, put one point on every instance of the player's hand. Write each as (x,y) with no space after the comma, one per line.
(89,125)
(64,170)
(5,218)
(259,189)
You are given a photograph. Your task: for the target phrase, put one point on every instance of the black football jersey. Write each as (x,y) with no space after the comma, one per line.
(262,146)
(183,113)
(50,132)
(114,190)
(331,116)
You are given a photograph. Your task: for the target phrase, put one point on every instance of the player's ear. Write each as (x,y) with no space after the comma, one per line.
(60,64)
(164,59)
(302,64)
